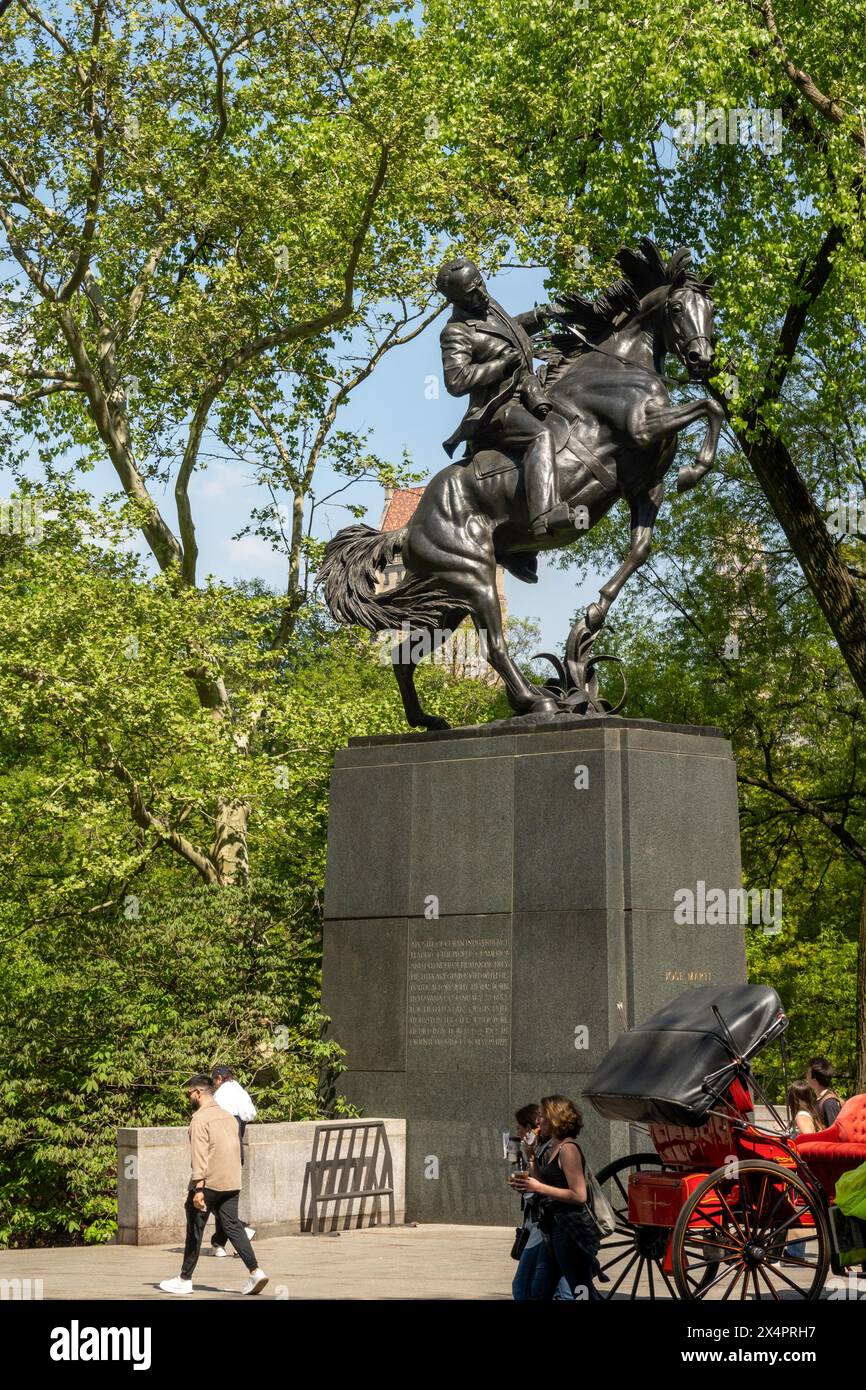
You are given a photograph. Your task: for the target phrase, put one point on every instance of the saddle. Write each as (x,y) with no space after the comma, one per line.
(488,462)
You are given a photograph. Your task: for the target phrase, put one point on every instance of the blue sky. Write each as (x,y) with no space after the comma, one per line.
(393,404)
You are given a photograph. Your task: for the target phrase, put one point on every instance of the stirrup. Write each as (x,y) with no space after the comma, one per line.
(549,522)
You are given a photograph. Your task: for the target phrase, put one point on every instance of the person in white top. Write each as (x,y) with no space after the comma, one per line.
(803,1114)
(231,1096)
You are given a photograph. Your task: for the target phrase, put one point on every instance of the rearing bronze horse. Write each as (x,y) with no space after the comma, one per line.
(617,435)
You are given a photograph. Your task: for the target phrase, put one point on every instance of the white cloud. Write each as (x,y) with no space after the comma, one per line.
(252,553)
(217,480)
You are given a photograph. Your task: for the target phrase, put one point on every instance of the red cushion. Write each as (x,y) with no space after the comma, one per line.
(851,1121)
(824,1136)
(834,1151)
(851,1154)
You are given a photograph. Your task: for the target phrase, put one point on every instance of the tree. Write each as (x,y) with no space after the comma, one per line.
(195,200)
(597,128)
(719,628)
(124,968)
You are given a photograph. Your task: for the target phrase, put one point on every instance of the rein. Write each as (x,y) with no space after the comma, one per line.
(626,361)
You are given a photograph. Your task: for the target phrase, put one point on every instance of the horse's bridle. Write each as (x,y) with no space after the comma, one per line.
(695,338)
(669,381)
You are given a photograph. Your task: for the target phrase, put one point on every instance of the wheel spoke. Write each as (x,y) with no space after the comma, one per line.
(781,1198)
(733,1283)
(717,1225)
(777,1273)
(622,1189)
(723,1199)
(610,1264)
(632,1247)
(766,1280)
(702,1290)
(703,1243)
(792,1220)
(696,1264)
(634,1257)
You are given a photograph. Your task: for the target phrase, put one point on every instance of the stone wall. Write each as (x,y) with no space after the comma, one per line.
(153,1176)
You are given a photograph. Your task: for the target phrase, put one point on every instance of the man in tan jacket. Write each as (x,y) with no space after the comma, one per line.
(214,1186)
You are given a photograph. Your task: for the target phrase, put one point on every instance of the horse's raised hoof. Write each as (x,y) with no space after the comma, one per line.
(432,722)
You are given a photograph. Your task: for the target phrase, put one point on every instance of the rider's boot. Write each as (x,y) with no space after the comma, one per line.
(546,512)
(523,565)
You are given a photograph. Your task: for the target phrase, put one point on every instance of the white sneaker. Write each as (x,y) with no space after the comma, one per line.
(256,1282)
(220,1251)
(176,1285)
(251,1231)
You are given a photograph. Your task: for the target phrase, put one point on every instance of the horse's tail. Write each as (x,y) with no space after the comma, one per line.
(353,562)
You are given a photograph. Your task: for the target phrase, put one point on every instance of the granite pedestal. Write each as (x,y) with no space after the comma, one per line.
(498,901)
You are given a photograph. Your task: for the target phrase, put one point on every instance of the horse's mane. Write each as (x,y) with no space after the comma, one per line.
(643,271)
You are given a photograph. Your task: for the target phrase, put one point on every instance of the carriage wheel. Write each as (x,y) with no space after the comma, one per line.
(630,1251)
(741,1231)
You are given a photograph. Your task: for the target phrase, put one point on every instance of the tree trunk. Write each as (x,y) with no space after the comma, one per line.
(860,1004)
(229,850)
(833,587)
(294,597)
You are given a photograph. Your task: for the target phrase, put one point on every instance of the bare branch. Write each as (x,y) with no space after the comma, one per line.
(97,169)
(51,390)
(829,109)
(55,34)
(30,268)
(114,433)
(185,522)
(809,808)
(331,317)
(812,276)
(144,817)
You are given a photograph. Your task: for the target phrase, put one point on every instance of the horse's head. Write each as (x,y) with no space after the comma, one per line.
(687,318)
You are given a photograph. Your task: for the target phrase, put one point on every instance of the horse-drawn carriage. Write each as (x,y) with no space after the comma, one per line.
(722,1207)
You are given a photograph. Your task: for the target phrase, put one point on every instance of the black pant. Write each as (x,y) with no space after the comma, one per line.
(224,1205)
(220,1235)
(575,1266)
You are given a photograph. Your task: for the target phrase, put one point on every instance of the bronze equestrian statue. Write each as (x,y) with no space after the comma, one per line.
(602,428)
(488,356)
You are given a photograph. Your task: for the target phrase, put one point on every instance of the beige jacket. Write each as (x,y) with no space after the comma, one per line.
(215,1148)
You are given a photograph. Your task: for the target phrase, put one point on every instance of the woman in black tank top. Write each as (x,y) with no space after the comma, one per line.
(561,1184)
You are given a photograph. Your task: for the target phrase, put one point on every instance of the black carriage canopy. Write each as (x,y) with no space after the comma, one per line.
(674,1067)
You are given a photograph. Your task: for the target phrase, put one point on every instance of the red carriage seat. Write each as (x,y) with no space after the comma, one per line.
(834,1151)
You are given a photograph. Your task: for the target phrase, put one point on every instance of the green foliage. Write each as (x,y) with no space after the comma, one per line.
(718,629)
(217,218)
(106,1015)
(121,972)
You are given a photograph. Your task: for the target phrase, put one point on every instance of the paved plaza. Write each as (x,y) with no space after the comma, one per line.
(404,1262)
